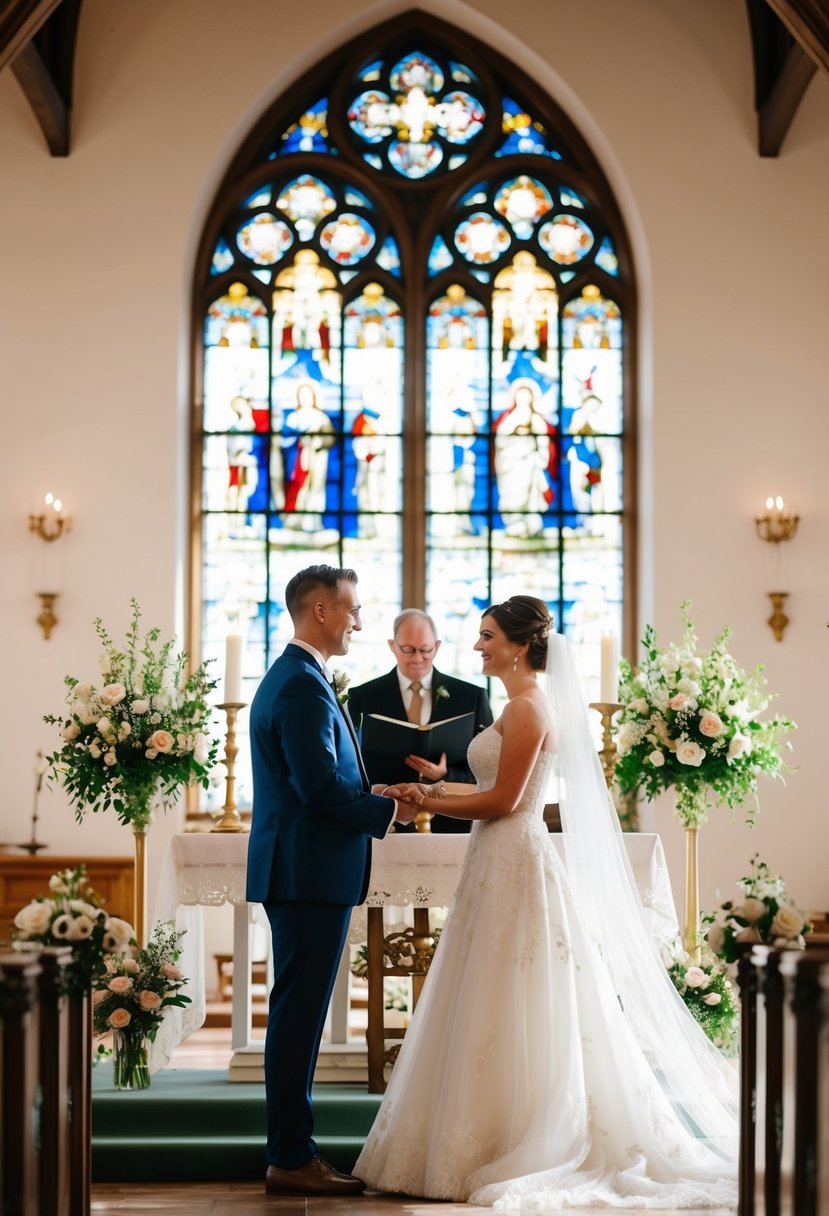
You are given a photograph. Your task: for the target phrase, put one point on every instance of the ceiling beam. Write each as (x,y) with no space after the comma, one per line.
(44,69)
(19,22)
(808,22)
(775,115)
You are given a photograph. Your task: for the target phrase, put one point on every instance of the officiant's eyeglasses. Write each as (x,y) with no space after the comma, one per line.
(410,650)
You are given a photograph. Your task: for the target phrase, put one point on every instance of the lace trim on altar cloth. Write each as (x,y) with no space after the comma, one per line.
(211,885)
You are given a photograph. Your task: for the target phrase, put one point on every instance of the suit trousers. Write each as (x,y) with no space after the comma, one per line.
(308,941)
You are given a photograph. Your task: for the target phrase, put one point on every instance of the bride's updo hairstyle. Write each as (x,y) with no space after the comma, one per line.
(524,619)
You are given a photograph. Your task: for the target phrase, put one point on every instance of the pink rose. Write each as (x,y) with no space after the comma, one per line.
(695,977)
(131,966)
(711,724)
(170,972)
(160,741)
(120,984)
(149,1000)
(112,694)
(678,701)
(119,1018)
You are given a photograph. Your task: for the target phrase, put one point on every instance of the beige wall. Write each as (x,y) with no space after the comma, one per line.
(95,258)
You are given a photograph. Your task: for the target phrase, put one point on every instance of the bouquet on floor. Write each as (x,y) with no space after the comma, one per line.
(764,915)
(73,915)
(139,983)
(708,994)
(692,721)
(141,736)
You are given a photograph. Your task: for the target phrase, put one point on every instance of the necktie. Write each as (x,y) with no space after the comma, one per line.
(416,702)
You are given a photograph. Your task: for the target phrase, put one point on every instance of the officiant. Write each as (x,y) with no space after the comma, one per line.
(415,691)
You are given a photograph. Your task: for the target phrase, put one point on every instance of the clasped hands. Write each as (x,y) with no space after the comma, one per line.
(409,797)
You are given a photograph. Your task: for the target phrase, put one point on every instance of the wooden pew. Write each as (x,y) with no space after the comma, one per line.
(53,1033)
(19,975)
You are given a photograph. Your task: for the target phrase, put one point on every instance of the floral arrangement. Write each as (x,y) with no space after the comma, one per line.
(707,993)
(340,681)
(142,735)
(138,984)
(73,915)
(763,915)
(691,721)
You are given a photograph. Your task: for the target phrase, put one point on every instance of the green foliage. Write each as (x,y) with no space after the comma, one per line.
(708,995)
(139,984)
(764,915)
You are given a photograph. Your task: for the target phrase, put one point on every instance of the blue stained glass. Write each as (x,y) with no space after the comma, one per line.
(415,160)
(369,116)
(264,276)
(308,134)
(569,198)
(567,275)
(237,319)
(566,239)
(259,198)
(347,239)
(264,239)
(606,257)
(389,257)
(481,238)
(371,158)
(457,322)
(522,135)
(439,257)
(222,257)
(355,198)
(474,198)
(347,275)
(483,275)
(461,73)
(416,71)
(522,202)
(455,162)
(372,71)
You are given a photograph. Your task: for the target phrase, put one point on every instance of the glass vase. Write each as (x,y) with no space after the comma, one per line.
(130,1067)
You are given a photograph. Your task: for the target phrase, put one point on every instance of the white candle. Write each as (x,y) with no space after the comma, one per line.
(233,669)
(609,669)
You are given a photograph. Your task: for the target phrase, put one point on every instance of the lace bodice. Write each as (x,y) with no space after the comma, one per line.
(484,757)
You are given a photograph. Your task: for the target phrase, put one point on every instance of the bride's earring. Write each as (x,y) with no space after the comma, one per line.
(515,662)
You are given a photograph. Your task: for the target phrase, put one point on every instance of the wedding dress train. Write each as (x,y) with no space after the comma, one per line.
(520,1083)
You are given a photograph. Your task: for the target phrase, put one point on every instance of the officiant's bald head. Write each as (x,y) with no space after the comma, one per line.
(415,643)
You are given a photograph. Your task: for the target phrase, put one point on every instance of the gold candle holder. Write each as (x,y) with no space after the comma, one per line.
(231,820)
(606,710)
(423,821)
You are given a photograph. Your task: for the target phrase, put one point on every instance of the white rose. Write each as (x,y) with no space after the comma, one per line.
(151,753)
(183,743)
(657,759)
(34,918)
(87,715)
(104,726)
(201,749)
(82,691)
(711,724)
(751,910)
(716,938)
(740,745)
(113,694)
(695,977)
(95,750)
(140,706)
(71,731)
(110,758)
(712,998)
(155,718)
(124,731)
(57,884)
(690,753)
(640,706)
(787,922)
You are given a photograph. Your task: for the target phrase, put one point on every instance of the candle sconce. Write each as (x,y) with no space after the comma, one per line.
(49,525)
(774,527)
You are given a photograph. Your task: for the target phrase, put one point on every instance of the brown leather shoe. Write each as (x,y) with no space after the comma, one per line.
(315,1178)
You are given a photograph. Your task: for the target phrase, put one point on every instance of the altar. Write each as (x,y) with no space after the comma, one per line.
(417,871)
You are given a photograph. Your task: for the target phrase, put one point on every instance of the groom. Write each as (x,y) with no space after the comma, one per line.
(309,859)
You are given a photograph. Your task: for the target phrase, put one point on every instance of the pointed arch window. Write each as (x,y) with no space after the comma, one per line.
(415,311)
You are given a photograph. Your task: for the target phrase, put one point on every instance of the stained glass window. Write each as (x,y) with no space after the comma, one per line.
(415,312)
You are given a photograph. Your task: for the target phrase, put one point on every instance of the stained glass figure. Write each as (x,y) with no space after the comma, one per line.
(592,321)
(307,438)
(525,461)
(264,239)
(306,200)
(482,238)
(522,202)
(523,136)
(566,239)
(525,308)
(306,308)
(222,257)
(308,134)
(237,319)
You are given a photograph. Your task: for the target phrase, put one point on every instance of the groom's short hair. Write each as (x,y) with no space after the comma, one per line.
(309,581)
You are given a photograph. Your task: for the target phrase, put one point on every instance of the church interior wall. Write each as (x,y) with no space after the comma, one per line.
(96,258)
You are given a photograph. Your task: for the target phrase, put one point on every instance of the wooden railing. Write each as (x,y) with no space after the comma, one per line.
(784,1118)
(45,1061)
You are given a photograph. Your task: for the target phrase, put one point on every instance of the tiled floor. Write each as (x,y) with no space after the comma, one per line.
(248,1199)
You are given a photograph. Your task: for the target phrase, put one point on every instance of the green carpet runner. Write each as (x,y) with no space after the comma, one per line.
(195,1125)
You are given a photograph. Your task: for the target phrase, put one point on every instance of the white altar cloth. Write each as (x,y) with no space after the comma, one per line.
(418,870)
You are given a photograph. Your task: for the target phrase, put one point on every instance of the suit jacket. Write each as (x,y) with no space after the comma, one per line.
(313,812)
(382,696)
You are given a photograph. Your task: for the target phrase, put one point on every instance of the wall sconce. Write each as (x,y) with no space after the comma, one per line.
(49,525)
(775,526)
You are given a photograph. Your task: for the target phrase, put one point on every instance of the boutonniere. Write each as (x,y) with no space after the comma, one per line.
(340,681)
(441,693)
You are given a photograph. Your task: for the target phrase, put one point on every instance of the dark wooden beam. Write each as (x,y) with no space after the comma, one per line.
(19,22)
(782,72)
(44,70)
(808,22)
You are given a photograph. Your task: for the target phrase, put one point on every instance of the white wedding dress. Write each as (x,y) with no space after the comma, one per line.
(520,1084)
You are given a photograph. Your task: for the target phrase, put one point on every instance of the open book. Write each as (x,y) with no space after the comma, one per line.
(395,738)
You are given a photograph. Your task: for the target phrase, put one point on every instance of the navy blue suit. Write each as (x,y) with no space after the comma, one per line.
(309,862)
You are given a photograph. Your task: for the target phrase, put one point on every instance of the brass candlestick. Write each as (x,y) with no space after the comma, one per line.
(423,821)
(32,846)
(606,710)
(231,821)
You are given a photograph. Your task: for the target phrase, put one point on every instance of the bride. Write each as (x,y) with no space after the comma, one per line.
(550,1062)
